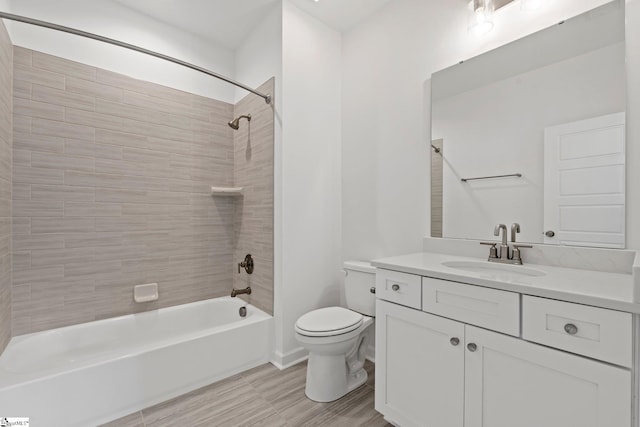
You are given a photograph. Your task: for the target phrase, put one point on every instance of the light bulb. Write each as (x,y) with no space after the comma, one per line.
(480,16)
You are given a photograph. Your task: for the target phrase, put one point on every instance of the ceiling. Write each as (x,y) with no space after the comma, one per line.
(228,22)
(340,14)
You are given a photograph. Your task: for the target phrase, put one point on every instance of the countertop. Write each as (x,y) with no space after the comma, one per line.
(601,289)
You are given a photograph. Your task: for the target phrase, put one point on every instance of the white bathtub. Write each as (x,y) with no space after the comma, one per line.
(88,374)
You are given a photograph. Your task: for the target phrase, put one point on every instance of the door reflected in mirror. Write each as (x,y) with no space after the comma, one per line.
(533,133)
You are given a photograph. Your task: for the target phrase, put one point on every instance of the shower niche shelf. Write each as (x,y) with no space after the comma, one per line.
(227,191)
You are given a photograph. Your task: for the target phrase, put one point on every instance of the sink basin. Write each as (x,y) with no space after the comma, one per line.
(495,270)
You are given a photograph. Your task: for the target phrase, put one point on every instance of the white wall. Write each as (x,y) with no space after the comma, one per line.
(311,168)
(387,60)
(259,58)
(633,122)
(111,19)
(287,45)
(499,129)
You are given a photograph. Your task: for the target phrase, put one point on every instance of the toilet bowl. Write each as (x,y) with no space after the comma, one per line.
(337,338)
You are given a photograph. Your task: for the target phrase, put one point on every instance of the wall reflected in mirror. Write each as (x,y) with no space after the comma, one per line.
(549,108)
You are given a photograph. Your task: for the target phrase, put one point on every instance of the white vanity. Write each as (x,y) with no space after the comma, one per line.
(463,342)
(515,136)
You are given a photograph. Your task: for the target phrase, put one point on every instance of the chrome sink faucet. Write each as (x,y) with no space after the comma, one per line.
(503,255)
(515,228)
(504,247)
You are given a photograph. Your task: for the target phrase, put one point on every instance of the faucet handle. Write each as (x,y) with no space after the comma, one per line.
(247,264)
(493,251)
(518,245)
(516,257)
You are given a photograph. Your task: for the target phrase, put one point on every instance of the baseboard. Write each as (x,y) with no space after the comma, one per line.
(293,357)
(391,422)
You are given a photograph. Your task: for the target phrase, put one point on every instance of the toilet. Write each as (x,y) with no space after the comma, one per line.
(337,338)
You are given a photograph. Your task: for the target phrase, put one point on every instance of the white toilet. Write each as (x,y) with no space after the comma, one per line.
(337,337)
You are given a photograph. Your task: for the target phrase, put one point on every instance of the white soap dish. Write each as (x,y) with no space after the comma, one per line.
(145,293)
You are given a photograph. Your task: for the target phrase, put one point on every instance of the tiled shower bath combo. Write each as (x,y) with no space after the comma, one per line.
(106,184)
(111,187)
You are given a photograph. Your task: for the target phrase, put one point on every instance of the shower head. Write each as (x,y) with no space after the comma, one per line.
(235,123)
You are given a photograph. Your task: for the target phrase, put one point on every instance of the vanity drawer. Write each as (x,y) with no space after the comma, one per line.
(488,308)
(594,332)
(401,288)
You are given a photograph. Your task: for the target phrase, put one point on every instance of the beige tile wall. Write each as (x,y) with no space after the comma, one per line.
(111,188)
(6,73)
(253,170)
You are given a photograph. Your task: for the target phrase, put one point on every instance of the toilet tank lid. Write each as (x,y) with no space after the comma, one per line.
(363,266)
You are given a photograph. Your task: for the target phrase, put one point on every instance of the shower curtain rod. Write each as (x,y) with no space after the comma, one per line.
(24,19)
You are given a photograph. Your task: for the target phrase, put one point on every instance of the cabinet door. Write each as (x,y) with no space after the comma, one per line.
(511,382)
(419,367)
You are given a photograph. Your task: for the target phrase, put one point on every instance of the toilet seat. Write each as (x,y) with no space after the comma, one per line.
(329,321)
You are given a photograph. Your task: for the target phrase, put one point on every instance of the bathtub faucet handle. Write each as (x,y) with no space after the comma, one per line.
(247,264)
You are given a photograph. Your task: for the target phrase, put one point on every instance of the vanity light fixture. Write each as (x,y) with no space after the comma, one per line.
(480,16)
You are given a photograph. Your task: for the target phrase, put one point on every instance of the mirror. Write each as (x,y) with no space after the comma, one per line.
(533,133)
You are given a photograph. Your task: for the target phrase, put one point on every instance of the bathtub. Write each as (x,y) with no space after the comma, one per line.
(88,374)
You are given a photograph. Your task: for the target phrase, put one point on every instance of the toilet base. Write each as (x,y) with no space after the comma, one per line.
(336,363)
(357,379)
(327,378)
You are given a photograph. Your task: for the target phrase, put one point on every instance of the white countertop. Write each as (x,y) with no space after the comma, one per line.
(602,289)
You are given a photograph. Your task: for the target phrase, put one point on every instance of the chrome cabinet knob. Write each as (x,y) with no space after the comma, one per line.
(550,233)
(372,290)
(472,347)
(571,329)
(454,341)
(395,287)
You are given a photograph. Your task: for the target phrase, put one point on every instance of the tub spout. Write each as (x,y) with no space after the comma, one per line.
(235,292)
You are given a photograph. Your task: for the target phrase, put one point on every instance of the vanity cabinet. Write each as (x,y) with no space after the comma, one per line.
(511,382)
(434,371)
(419,367)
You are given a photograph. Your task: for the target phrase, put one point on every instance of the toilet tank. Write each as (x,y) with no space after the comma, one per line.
(360,277)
